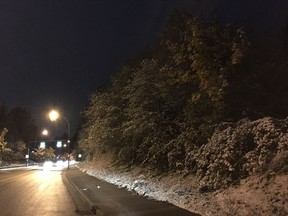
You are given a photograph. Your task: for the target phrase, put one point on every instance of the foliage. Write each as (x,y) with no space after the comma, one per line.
(148,107)
(3,116)
(268,65)
(43,154)
(3,144)
(21,125)
(208,57)
(241,149)
(186,107)
(146,113)
(22,130)
(16,152)
(19,122)
(102,117)
(18,146)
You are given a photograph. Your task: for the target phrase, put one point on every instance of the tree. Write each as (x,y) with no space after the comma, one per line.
(145,107)
(3,144)
(21,125)
(101,126)
(17,151)
(205,61)
(268,64)
(44,154)
(3,116)
(160,110)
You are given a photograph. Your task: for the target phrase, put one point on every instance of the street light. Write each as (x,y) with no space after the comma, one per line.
(45,132)
(53,116)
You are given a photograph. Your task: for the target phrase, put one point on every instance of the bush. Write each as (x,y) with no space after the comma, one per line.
(126,155)
(241,149)
(279,163)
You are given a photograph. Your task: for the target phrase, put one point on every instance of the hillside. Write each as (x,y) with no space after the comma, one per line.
(188,122)
(242,170)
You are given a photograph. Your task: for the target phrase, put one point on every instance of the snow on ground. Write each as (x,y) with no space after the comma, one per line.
(256,195)
(164,188)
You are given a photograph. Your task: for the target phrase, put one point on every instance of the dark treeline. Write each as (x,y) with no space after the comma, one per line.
(21,132)
(167,103)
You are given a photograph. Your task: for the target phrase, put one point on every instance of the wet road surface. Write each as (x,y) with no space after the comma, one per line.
(34,192)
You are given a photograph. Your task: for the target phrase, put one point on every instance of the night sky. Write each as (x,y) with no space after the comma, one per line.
(54,54)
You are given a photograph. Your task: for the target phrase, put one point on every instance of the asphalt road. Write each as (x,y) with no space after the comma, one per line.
(34,192)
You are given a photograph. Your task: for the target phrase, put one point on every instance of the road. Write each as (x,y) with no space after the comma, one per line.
(34,192)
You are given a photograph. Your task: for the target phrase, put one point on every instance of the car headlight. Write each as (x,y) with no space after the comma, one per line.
(59,163)
(48,164)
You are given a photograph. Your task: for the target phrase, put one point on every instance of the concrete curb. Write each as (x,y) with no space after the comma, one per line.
(93,208)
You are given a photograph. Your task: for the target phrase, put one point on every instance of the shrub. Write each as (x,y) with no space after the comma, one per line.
(279,163)
(241,149)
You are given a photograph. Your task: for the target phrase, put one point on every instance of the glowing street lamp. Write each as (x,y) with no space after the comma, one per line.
(53,116)
(45,132)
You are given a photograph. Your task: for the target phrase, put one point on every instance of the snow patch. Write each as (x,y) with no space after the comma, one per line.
(183,191)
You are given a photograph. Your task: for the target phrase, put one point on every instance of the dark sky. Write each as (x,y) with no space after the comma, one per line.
(55,53)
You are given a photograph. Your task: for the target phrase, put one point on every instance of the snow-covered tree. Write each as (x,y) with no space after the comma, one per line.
(3,144)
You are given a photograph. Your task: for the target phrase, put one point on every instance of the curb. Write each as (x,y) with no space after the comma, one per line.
(83,197)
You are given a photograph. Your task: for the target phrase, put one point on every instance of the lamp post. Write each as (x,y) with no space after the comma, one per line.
(53,116)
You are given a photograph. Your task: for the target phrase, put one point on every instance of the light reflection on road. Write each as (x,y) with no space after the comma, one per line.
(34,191)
